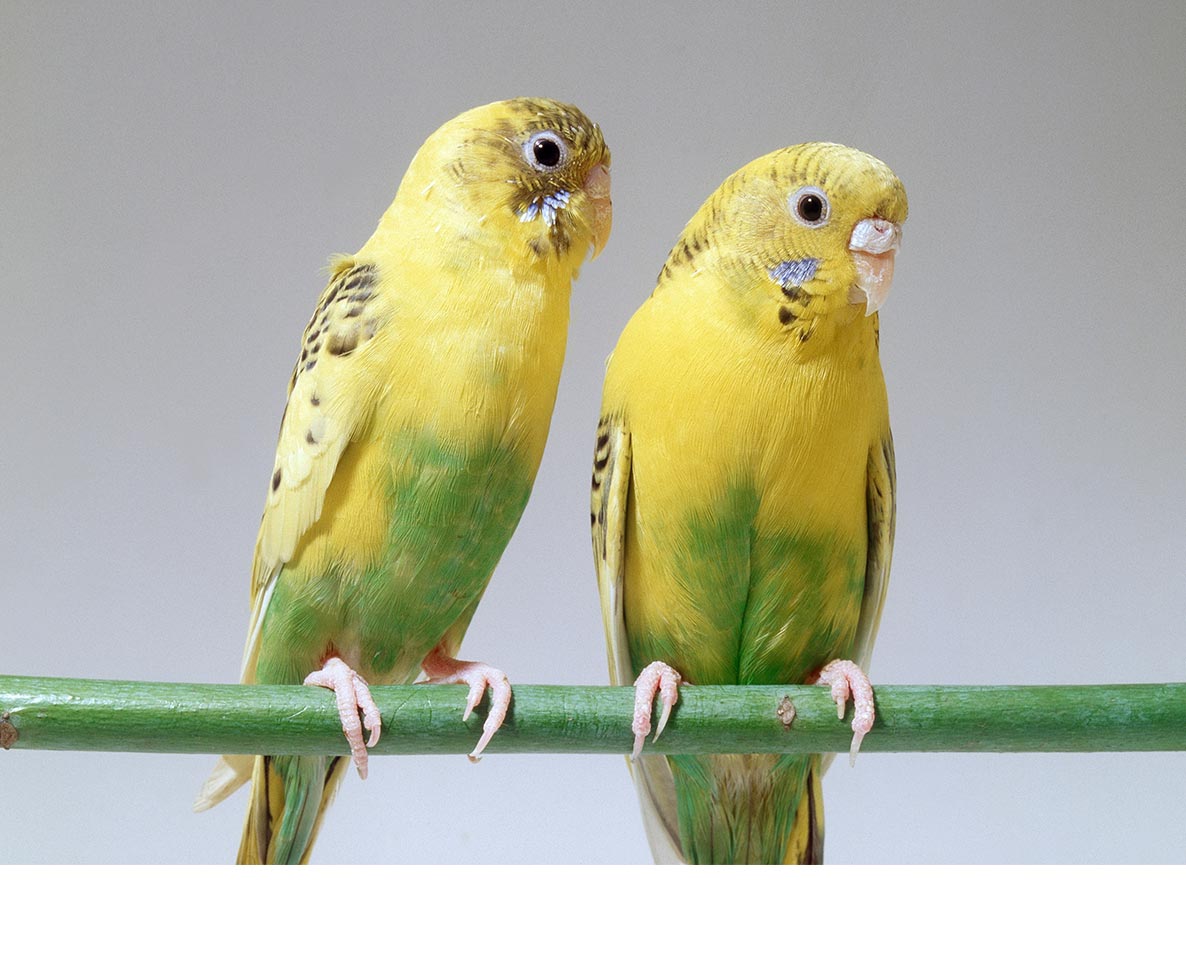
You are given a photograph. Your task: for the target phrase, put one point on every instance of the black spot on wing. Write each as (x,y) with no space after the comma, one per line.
(601,453)
(340,325)
(600,461)
(343,342)
(361,277)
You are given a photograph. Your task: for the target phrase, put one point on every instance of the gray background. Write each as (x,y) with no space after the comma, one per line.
(174,178)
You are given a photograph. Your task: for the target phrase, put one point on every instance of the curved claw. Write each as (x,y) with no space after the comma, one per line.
(656,678)
(352,695)
(848,680)
(443,669)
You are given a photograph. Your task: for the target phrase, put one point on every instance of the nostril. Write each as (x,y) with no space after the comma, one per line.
(875,236)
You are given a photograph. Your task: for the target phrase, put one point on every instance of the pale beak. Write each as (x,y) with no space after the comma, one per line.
(597,189)
(874,243)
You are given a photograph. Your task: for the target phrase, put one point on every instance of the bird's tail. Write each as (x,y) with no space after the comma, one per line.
(805,846)
(289,796)
(732,808)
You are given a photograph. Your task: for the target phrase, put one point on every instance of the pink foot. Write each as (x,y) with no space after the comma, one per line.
(443,669)
(656,678)
(352,695)
(848,680)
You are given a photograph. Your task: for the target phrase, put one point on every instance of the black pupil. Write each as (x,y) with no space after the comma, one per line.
(547,152)
(811,208)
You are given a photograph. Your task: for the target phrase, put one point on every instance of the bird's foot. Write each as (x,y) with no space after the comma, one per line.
(656,678)
(353,696)
(443,669)
(848,680)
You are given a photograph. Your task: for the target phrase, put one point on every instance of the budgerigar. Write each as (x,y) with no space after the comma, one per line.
(415,424)
(743,485)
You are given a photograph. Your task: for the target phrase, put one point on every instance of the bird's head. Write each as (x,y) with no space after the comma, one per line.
(808,231)
(530,173)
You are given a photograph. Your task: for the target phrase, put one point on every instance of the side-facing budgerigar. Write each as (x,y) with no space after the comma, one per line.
(415,423)
(743,485)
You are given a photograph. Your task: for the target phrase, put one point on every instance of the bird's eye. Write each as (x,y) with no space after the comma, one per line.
(546,151)
(810,206)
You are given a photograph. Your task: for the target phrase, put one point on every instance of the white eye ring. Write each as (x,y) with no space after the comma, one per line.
(810,207)
(545,151)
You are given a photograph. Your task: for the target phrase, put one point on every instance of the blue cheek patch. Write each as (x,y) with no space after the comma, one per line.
(549,205)
(794,272)
(553,204)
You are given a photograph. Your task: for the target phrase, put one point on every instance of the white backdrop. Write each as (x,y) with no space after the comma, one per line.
(174,178)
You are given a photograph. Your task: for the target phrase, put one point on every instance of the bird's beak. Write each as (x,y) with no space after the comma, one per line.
(873,244)
(597,189)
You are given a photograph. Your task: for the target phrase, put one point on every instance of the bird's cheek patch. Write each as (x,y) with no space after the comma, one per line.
(548,206)
(794,272)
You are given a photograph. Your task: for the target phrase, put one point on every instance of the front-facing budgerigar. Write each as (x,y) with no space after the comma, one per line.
(743,485)
(415,423)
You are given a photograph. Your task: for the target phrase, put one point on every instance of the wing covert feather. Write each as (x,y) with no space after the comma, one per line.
(881,502)
(326,406)
(607,516)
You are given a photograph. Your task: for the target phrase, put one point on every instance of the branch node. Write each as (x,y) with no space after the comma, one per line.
(9,735)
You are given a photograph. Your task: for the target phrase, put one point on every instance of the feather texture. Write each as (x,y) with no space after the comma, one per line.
(743,488)
(416,419)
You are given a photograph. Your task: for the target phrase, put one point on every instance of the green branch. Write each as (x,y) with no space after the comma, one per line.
(102,715)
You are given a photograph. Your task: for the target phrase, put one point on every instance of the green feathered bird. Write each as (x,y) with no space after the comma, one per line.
(743,485)
(415,423)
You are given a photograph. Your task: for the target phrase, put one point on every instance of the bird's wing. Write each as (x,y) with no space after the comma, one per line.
(881,508)
(328,401)
(607,516)
(608,510)
(881,511)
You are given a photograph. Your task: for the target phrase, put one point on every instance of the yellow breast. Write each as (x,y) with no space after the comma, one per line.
(457,368)
(712,405)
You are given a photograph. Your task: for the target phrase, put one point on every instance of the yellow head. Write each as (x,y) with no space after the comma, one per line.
(529,174)
(812,228)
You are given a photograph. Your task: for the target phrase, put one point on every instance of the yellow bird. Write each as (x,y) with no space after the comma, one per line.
(415,424)
(743,485)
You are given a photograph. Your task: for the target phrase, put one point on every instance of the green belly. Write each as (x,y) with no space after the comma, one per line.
(758,607)
(451,515)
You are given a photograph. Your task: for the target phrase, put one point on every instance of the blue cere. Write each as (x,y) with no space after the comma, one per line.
(794,272)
